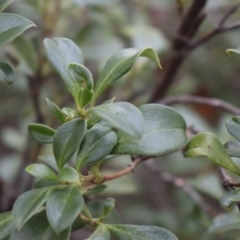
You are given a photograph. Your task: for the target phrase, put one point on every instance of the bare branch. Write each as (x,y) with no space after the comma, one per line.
(201,100)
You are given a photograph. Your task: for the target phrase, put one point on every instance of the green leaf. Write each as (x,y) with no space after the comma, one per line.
(230,198)
(164,132)
(56,111)
(4,4)
(71,113)
(230,51)
(207,144)
(122,115)
(6,225)
(41,171)
(68,175)
(11,26)
(83,81)
(233,127)
(101,233)
(38,228)
(27,204)
(61,52)
(63,206)
(97,143)
(41,133)
(67,140)
(233,148)
(27,51)
(6,73)
(109,205)
(96,190)
(134,232)
(119,64)
(42,183)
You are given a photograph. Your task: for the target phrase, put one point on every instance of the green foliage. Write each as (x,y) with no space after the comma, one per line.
(6,73)
(6,225)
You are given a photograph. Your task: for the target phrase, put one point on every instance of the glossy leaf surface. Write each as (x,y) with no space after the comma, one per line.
(139,232)
(11,26)
(38,228)
(207,144)
(27,205)
(41,171)
(164,132)
(101,233)
(41,133)
(56,111)
(233,148)
(67,140)
(63,206)
(97,143)
(83,81)
(6,73)
(122,115)
(6,225)
(233,127)
(119,64)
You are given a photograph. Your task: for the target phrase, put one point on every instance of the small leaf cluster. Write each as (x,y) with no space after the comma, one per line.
(88,135)
(11,26)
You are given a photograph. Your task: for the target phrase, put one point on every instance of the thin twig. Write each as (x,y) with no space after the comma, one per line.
(182,184)
(214,102)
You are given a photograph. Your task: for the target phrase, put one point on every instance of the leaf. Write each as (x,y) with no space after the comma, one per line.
(63,206)
(84,82)
(6,73)
(41,171)
(11,26)
(97,143)
(67,140)
(68,175)
(6,225)
(71,113)
(233,127)
(41,133)
(109,205)
(42,183)
(101,233)
(56,111)
(38,228)
(96,190)
(119,64)
(164,132)
(207,144)
(233,148)
(122,115)
(4,4)
(61,52)
(27,204)
(230,51)
(135,232)
(230,198)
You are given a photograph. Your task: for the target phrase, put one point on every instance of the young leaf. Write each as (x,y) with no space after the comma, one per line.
(83,79)
(41,171)
(27,204)
(68,175)
(119,64)
(233,127)
(63,206)
(6,73)
(41,133)
(71,113)
(122,115)
(97,143)
(230,51)
(230,198)
(164,132)
(101,233)
(38,228)
(61,52)
(233,148)
(207,144)
(4,4)
(11,26)
(134,232)
(6,225)
(109,205)
(56,111)
(67,140)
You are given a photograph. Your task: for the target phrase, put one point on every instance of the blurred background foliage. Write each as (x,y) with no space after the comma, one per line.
(101,28)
